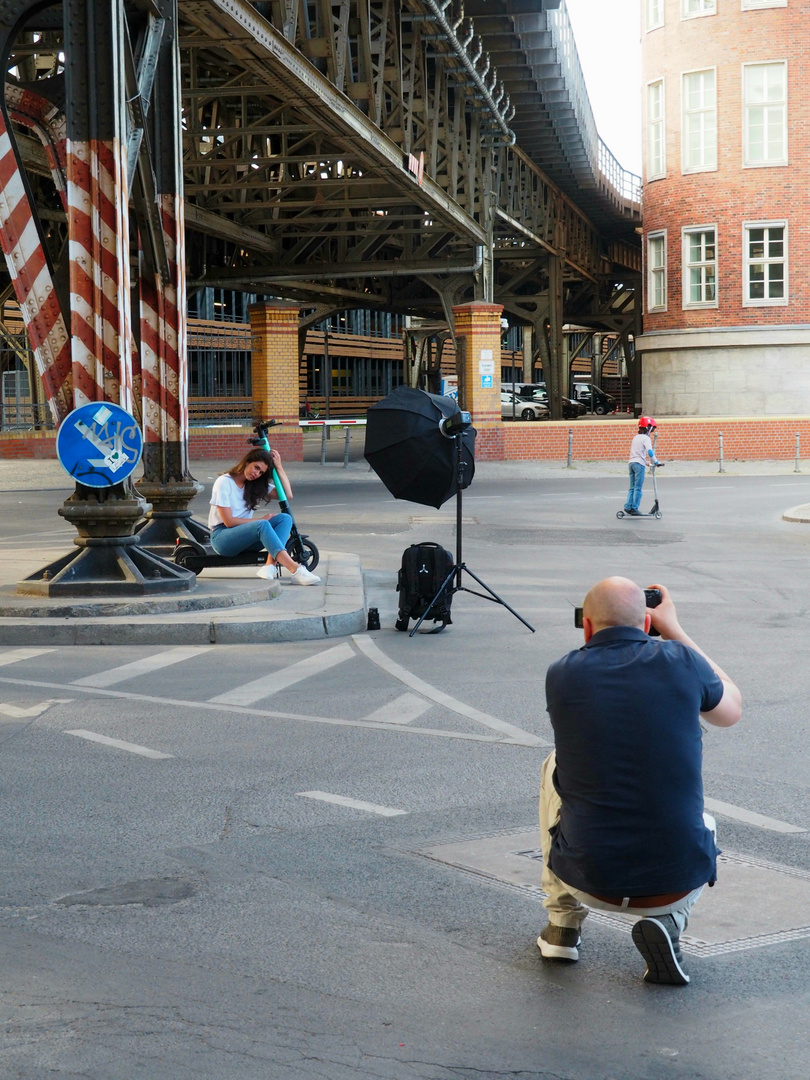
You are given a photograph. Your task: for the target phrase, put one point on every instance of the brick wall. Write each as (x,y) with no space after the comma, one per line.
(731,194)
(744,438)
(217,444)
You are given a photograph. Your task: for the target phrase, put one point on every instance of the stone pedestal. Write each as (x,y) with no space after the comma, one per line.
(109,560)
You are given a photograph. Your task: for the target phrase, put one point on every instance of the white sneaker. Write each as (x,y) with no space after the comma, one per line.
(268,571)
(302,576)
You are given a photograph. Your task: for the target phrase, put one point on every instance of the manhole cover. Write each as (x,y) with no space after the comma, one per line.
(755,903)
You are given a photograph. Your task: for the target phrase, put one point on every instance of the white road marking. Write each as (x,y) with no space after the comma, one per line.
(142,667)
(377,656)
(133,748)
(288,676)
(34,710)
(185,703)
(749,817)
(401,710)
(355,804)
(15,655)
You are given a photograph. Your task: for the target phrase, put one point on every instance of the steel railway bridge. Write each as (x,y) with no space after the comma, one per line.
(411,156)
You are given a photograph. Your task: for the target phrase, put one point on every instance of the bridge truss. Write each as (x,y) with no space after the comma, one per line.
(357,153)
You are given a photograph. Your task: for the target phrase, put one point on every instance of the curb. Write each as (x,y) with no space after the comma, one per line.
(799,514)
(334,609)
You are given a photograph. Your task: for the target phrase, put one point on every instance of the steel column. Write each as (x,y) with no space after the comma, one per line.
(167,482)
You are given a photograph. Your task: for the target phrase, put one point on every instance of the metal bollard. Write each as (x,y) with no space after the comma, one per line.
(798,455)
(323,445)
(722,467)
(570,448)
(346,451)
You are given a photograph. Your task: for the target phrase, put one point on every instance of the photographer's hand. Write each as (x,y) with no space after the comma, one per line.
(665,620)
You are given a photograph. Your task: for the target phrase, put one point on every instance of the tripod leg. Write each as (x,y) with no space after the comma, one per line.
(442,588)
(493,596)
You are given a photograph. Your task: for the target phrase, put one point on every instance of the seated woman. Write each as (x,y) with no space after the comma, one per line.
(231,517)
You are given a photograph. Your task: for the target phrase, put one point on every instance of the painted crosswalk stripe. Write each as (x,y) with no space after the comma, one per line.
(506,730)
(288,676)
(119,744)
(401,710)
(13,656)
(354,804)
(17,712)
(749,817)
(142,667)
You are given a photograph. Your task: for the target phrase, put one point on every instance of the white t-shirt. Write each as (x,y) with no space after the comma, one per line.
(641,450)
(226,492)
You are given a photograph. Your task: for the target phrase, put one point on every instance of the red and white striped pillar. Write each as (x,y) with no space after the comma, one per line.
(167,482)
(98,203)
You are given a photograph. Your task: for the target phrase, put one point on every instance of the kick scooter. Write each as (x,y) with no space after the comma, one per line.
(654,511)
(196,556)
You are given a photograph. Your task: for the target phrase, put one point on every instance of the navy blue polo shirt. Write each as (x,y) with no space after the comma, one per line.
(625,712)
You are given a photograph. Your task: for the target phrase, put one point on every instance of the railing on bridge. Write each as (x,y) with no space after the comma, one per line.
(603,166)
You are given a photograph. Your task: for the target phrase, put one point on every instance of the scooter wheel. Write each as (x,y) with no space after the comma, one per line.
(187,557)
(307,554)
(658,514)
(620,514)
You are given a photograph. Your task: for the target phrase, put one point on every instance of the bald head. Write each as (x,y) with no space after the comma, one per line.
(615,601)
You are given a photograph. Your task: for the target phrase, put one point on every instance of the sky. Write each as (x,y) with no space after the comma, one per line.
(607,34)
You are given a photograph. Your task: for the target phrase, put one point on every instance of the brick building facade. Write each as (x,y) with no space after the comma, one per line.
(726,220)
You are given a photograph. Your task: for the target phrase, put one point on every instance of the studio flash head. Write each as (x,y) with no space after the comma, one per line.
(455,424)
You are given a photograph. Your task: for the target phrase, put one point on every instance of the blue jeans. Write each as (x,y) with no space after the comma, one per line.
(636,484)
(272,535)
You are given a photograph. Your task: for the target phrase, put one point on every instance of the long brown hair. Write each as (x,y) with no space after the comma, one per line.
(257,490)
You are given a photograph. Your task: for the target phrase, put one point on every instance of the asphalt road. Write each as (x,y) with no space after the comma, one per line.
(214,913)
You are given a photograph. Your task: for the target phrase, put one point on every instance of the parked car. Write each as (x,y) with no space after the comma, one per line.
(570,409)
(525,391)
(514,407)
(602,403)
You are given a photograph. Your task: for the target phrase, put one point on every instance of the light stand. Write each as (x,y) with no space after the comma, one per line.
(460,566)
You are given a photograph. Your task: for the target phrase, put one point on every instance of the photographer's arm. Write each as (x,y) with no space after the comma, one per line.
(665,619)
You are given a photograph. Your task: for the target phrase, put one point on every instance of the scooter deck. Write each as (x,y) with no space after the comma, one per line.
(199,560)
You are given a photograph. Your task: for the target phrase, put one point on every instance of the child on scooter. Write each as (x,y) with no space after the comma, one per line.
(231,518)
(641,455)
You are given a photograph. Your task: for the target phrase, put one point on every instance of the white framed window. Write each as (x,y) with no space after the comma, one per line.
(690,9)
(656,131)
(700,266)
(751,5)
(655,14)
(765,263)
(657,271)
(699,130)
(765,114)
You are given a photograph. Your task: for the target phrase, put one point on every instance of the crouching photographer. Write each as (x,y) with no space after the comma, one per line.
(621,796)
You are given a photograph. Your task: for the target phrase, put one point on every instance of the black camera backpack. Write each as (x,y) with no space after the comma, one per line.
(425,568)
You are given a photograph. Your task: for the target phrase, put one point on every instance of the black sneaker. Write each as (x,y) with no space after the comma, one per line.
(633,513)
(658,941)
(559,942)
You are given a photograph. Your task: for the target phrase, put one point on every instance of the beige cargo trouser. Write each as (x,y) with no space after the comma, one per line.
(567,906)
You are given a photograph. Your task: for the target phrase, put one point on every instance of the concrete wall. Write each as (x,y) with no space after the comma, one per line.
(714,373)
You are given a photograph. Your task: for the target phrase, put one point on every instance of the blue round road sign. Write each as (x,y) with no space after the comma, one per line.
(99,444)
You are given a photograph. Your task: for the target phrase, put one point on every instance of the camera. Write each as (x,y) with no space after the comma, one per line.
(652,598)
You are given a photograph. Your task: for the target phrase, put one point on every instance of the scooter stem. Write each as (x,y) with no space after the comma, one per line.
(282,494)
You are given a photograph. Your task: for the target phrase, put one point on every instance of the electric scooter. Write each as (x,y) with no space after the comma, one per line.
(654,511)
(196,556)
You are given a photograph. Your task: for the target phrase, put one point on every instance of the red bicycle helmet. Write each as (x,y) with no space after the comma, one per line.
(647,422)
